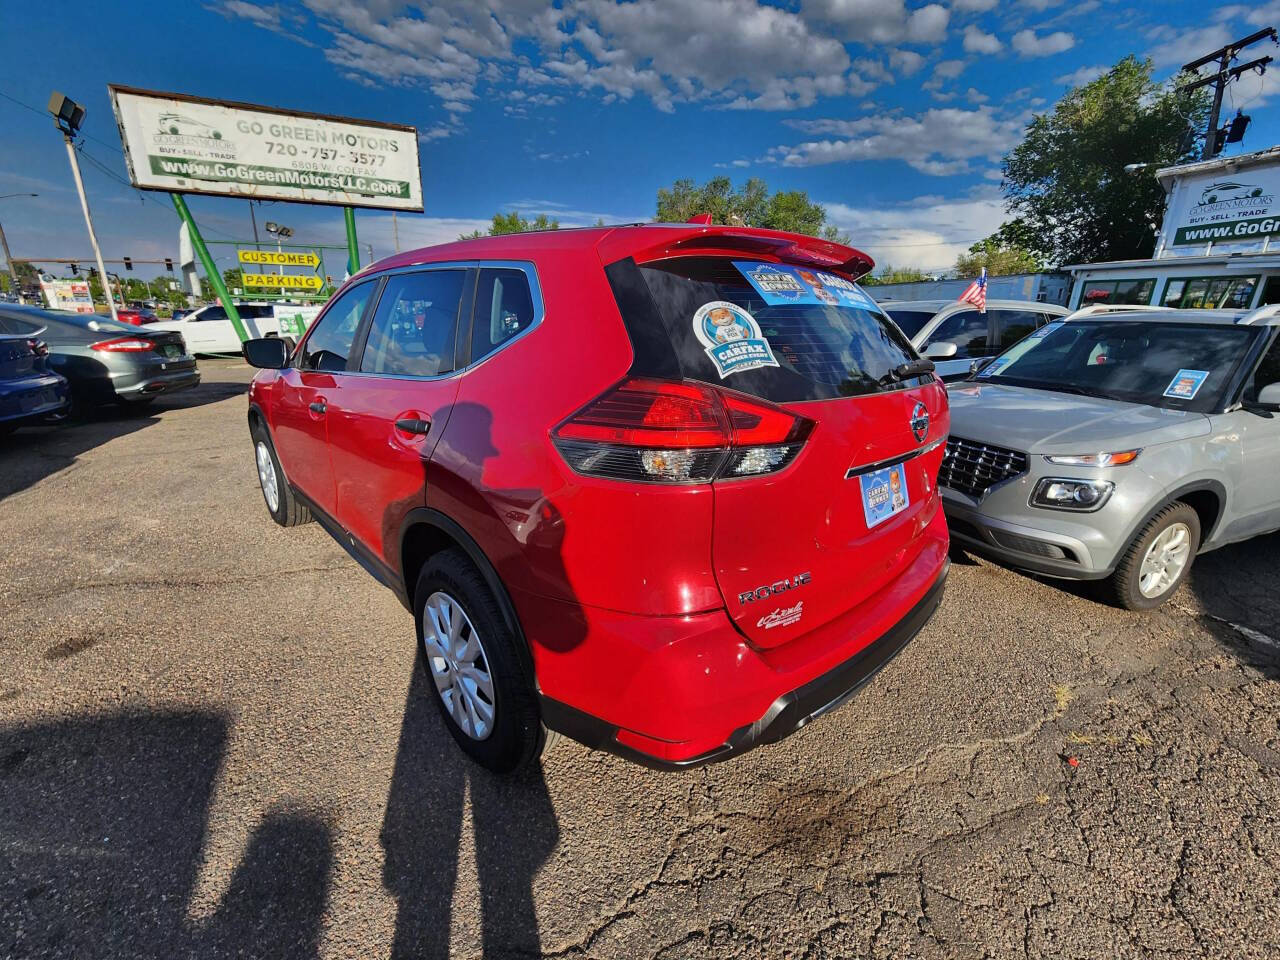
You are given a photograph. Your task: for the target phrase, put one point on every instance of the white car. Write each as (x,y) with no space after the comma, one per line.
(954,335)
(208,330)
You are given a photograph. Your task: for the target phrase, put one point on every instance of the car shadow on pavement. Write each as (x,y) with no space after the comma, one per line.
(1237,587)
(515,832)
(103,824)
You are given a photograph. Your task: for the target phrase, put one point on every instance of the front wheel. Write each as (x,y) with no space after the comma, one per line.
(1158,559)
(483,684)
(281,503)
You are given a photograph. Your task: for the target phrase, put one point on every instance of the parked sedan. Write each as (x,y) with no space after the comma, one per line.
(208,330)
(107,361)
(1117,446)
(29,391)
(955,334)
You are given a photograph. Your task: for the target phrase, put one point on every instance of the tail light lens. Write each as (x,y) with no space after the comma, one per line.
(663,431)
(125,345)
(38,347)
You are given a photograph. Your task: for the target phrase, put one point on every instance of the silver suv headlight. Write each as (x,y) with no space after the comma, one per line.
(1117,459)
(1070,493)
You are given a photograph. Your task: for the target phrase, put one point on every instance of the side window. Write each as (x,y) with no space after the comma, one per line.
(211,313)
(413,330)
(504,308)
(1268,372)
(967,330)
(1013,325)
(329,344)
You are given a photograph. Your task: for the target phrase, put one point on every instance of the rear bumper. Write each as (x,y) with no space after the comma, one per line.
(675,692)
(33,399)
(149,384)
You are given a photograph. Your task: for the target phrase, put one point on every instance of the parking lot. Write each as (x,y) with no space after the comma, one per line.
(214,742)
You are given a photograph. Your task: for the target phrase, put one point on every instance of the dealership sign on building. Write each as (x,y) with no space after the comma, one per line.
(188,144)
(1223,204)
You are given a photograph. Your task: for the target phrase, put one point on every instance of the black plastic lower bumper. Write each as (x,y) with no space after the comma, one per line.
(787,714)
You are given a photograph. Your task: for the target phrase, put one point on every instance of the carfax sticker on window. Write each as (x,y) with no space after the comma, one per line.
(995,366)
(781,284)
(732,338)
(1044,331)
(1186,384)
(884,493)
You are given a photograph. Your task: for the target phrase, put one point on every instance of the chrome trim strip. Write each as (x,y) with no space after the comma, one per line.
(882,464)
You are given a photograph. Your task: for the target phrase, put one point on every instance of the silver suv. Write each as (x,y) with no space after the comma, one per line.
(1117,444)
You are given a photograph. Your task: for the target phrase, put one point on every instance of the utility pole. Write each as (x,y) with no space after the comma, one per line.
(68,115)
(8,262)
(395,230)
(254,220)
(1224,75)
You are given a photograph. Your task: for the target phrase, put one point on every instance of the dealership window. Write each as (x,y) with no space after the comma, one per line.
(1118,291)
(1197,293)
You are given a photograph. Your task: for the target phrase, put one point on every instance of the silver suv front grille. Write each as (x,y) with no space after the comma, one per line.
(974,468)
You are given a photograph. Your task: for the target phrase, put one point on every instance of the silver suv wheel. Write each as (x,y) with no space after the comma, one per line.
(459,666)
(1165,560)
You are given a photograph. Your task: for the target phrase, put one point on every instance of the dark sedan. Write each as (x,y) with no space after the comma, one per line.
(107,361)
(29,391)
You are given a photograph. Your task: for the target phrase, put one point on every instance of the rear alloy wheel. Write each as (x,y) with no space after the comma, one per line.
(482,679)
(281,503)
(1158,559)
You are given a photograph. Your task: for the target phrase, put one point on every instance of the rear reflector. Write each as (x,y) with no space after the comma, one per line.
(667,431)
(125,345)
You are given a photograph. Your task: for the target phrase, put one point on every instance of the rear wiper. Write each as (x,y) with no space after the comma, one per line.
(908,371)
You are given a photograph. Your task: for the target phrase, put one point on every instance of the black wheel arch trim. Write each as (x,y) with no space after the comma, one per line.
(1216,487)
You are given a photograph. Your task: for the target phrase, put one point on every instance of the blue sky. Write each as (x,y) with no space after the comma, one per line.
(893,115)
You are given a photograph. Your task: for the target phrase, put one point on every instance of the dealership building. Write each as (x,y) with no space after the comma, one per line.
(1219,243)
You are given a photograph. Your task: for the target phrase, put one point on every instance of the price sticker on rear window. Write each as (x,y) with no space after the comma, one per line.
(780,284)
(884,493)
(1186,384)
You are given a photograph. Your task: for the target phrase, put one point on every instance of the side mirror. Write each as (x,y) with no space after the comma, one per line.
(269,353)
(941,350)
(1269,396)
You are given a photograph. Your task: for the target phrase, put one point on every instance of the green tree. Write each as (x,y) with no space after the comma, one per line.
(233,277)
(1000,254)
(504,223)
(1066,180)
(750,205)
(892,274)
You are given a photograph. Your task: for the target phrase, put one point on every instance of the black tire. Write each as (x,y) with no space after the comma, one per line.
(288,512)
(1124,583)
(517,736)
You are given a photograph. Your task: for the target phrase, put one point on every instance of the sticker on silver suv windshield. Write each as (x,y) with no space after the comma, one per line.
(780,284)
(1186,384)
(732,338)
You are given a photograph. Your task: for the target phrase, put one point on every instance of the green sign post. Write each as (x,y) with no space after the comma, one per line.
(353,246)
(210,267)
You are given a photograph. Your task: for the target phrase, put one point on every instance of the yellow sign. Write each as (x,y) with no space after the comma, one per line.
(293,281)
(278,259)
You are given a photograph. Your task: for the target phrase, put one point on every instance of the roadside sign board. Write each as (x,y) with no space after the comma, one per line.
(283,281)
(1213,206)
(187,144)
(294,318)
(276,258)
(70,295)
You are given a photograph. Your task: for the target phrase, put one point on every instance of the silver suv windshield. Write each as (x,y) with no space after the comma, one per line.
(1181,366)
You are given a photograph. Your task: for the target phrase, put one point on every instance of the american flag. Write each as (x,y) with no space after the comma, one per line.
(976,292)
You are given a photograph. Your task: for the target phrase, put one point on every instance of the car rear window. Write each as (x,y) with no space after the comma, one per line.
(814,350)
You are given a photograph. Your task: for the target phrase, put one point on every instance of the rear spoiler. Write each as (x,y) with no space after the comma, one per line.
(789,247)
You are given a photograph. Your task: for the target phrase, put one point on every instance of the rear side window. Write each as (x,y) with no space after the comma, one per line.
(709,314)
(413,330)
(503,308)
(1013,325)
(329,343)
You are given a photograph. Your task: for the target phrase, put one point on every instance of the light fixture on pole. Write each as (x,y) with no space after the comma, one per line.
(280,232)
(67,116)
(14,286)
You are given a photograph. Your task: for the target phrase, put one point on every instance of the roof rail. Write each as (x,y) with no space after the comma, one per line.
(1096,308)
(1265,312)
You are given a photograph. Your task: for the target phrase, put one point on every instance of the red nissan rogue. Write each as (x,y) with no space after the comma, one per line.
(669,490)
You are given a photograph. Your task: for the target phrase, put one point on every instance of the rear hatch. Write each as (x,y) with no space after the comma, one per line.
(798,546)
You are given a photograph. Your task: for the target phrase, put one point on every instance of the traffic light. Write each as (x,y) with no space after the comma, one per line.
(128,263)
(168,264)
(75,270)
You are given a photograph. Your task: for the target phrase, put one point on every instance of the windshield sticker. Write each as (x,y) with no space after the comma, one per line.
(995,366)
(1186,384)
(732,338)
(1044,331)
(779,284)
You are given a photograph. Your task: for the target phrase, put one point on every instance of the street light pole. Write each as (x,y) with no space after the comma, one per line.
(88,221)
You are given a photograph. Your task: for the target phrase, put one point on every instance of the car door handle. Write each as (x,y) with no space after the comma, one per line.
(318,406)
(414,425)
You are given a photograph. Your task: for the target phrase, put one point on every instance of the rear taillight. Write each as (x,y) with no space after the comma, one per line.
(678,432)
(125,345)
(38,347)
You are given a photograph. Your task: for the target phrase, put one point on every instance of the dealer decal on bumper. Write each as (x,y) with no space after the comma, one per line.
(782,617)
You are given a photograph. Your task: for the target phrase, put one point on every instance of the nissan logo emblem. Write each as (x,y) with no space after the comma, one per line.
(920,422)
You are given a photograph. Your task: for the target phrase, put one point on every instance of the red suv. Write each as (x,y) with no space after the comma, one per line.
(669,490)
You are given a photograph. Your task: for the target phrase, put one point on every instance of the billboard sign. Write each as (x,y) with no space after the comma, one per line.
(279,258)
(70,295)
(1215,207)
(186,144)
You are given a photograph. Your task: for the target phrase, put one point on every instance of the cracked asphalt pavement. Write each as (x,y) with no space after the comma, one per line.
(213,742)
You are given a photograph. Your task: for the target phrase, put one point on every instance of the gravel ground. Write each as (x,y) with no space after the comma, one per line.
(213,742)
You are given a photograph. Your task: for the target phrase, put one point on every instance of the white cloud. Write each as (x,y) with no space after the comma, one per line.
(1078,78)
(941,141)
(927,232)
(883,21)
(906,62)
(943,71)
(974,6)
(975,41)
(1028,44)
